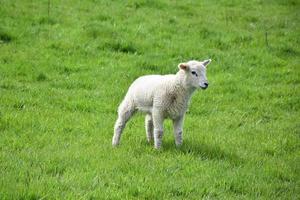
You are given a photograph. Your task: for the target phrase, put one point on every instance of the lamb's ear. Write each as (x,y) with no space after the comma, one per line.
(206,62)
(183,66)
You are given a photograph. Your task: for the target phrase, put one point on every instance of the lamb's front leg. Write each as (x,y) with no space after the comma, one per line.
(149,127)
(177,126)
(158,121)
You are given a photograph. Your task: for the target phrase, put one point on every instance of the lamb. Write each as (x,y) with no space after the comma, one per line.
(161,97)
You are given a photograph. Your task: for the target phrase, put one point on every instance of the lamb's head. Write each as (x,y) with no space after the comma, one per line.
(195,73)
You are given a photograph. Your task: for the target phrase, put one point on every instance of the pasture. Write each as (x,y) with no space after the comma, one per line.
(66,65)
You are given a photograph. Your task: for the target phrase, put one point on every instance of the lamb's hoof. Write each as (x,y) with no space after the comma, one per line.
(115,144)
(150,140)
(178,145)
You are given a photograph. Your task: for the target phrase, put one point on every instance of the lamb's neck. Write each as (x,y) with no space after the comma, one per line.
(181,85)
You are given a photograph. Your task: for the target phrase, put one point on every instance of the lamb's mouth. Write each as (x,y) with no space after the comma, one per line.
(204,87)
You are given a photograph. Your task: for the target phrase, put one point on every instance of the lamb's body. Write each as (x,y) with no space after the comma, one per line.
(162,92)
(160,97)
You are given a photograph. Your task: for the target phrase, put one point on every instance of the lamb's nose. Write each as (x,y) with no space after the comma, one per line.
(206,84)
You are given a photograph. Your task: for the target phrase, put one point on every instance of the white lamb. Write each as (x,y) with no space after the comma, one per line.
(161,97)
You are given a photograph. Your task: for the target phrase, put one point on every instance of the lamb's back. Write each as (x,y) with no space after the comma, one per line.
(143,89)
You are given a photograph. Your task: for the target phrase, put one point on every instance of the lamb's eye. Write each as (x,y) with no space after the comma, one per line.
(194,73)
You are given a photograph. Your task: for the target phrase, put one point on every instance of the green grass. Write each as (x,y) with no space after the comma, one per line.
(62,77)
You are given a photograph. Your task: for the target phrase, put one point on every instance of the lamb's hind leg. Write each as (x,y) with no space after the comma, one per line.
(126,110)
(149,127)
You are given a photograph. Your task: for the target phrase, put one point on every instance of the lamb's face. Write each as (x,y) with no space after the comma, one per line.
(196,73)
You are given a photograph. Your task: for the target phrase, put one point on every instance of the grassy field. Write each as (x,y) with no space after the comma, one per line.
(64,72)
